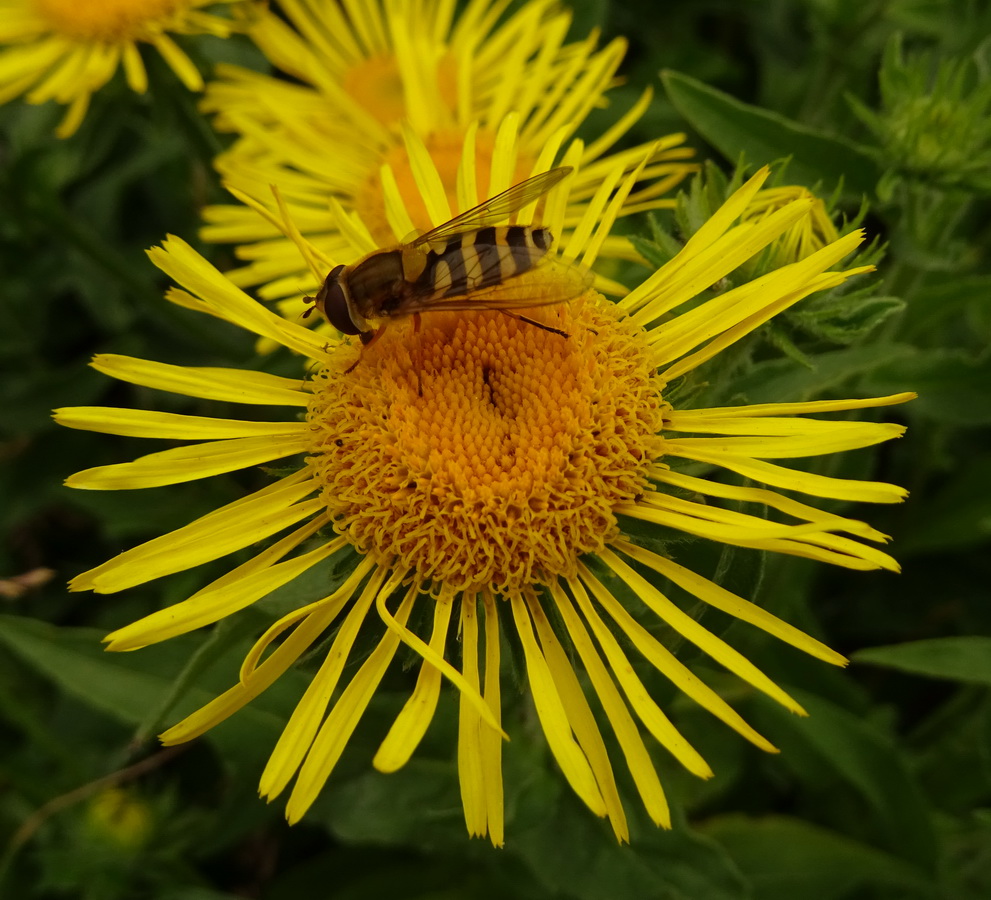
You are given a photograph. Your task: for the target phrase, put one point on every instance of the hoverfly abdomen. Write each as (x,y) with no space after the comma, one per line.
(527,245)
(480,259)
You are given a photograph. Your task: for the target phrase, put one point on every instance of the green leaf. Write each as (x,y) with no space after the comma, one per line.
(123,685)
(416,806)
(359,873)
(954,515)
(783,380)
(952,387)
(657,252)
(833,742)
(126,686)
(846,320)
(679,864)
(965,658)
(734,127)
(942,302)
(786,858)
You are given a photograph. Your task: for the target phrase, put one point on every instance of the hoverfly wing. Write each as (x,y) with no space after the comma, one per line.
(552,281)
(496,209)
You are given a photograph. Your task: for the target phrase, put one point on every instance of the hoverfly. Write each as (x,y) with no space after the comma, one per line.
(468,263)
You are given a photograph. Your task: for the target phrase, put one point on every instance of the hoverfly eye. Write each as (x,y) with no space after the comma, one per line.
(332,301)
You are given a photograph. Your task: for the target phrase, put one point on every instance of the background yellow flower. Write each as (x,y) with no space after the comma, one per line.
(64,50)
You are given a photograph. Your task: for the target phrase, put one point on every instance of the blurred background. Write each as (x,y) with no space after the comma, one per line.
(884,792)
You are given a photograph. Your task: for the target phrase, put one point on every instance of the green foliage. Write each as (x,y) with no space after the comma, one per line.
(884,791)
(966,658)
(934,124)
(736,128)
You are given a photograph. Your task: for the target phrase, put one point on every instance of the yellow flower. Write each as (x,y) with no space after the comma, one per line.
(385,84)
(814,231)
(120,817)
(64,50)
(479,466)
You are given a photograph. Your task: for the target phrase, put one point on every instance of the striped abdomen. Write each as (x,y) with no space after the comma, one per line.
(478,259)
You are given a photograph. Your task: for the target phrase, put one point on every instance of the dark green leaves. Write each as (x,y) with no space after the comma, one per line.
(738,129)
(833,747)
(785,858)
(966,658)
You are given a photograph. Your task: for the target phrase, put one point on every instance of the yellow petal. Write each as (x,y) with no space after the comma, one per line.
(209,606)
(811,541)
(489,738)
(411,724)
(805,482)
(234,385)
(438,661)
(665,662)
(190,463)
(808,406)
(252,659)
(309,628)
(657,723)
(753,302)
(183,264)
(730,603)
(172,426)
(834,438)
(772,499)
(335,732)
(236,525)
(427,178)
(637,758)
(471,776)
(705,640)
(304,723)
(553,717)
(240,695)
(685,266)
(771,306)
(181,64)
(700,421)
(134,68)
(580,717)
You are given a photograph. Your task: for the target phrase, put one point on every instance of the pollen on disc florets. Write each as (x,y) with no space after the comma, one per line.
(107,20)
(483,450)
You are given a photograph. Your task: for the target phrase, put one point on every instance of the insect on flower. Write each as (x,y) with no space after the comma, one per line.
(465,264)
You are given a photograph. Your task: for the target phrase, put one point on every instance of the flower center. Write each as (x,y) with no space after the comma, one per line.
(482,450)
(106,20)
(377,84)
(378,87)
(446,149)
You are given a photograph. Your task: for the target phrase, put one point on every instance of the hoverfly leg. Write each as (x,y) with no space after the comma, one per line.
(417,355)
(530,321)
